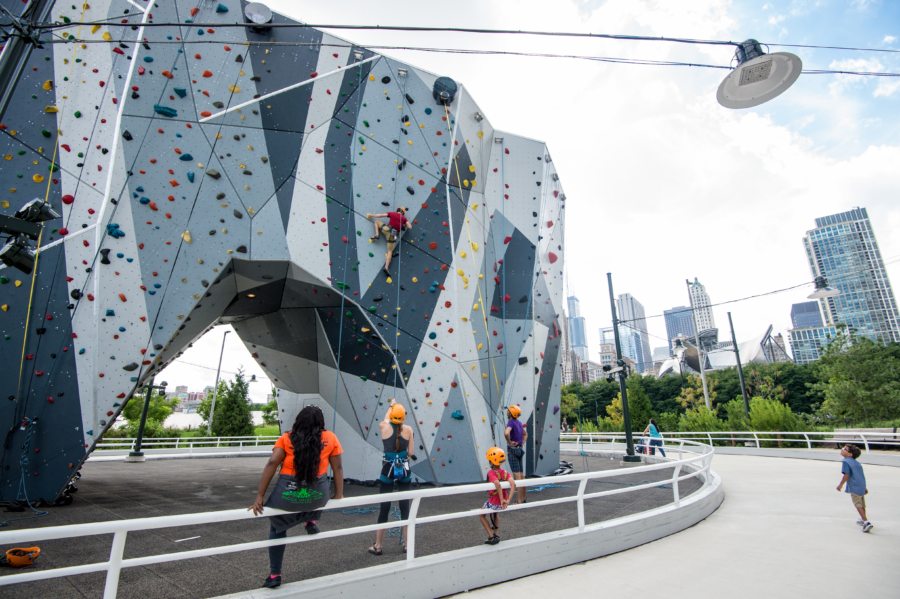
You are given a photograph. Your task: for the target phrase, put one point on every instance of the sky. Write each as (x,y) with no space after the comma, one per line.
(663,184)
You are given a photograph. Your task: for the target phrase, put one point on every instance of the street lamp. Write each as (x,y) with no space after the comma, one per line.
(822,290)
(216,389)
(758,77)
(136,455)
(737,355)
(622,372)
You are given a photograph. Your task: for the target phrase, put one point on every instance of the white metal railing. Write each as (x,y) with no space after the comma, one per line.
(698,461)
(806,438)
(188,442)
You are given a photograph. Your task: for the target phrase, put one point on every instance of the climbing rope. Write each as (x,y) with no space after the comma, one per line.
(24,462)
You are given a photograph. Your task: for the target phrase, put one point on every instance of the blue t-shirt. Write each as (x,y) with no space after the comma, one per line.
(516,431)
(856,484)
(654,433)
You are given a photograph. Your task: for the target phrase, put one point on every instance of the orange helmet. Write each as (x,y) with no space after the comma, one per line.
(515,411)
(496,456)
(397,413)
(19,558)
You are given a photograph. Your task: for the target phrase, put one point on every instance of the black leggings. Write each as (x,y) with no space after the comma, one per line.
(386,506)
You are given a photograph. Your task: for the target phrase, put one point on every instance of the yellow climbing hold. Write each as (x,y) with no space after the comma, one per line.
(465,182)
(5,307)
(471,168)
(107,36)
(473,367)
(186,236)
(48,84)
(474,246)
(480,276)
(371,77)
(234,89)
(484,375)
(459,271)
(474,206)
(479,345)
(480,134)
(37,178)
(389,281)
(51,109)
(409,142)
(464,319)
(463,253)
(18,283)
(475,307)
(482,418)
(415,280)
(380,187)
(5,204)
(251,210)
(95,28)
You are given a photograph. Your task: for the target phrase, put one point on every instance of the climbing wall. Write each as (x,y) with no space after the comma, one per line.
(209,175)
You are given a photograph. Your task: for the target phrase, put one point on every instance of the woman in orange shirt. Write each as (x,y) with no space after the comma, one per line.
(304,455)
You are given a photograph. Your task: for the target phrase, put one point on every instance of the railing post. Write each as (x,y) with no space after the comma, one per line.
(680,448)
(581,486)
(115,565)
(710,439)
(675,485)
(866,441)
(177,439)
(808,442)
(755,436)
(411,530)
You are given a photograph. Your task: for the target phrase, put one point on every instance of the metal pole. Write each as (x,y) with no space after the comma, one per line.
(737,354)
(216,388)
(137,453)
(629,441)
(699,349)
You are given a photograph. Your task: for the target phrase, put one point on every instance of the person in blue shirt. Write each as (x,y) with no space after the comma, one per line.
(855,480)
(516,436)
(655,438)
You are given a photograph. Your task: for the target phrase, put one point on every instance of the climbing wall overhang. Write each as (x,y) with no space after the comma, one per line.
(230,181)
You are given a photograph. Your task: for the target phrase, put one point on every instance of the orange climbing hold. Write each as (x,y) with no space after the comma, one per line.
(122,297)
(207,73)
(168,74)
(205,113)
(153,206)
(173,182)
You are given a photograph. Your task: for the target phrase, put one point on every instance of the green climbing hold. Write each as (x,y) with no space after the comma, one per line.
(67,20)
(77,114)
(344,286)
(366,123)
(45,133)
(372,309)
(4,280)
(371,255)
(363,377)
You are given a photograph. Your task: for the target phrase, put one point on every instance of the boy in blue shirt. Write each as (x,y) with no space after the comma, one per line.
(856,483)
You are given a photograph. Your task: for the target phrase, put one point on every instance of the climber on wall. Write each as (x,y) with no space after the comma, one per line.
(399,445)
(397,223)
(516,436)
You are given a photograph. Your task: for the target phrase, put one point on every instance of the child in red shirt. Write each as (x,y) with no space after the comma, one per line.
(498,499)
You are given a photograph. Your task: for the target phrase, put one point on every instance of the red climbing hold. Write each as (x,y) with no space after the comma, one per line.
(68,198)
(85,242)
(64,231)
(313,74)
(140,70)
(453,384)
(207,73)
(506,298)
(66,147)
(344,239)
(205,113)
(432,245)
(320,188)
(168,74)
(552,257)
(507,240)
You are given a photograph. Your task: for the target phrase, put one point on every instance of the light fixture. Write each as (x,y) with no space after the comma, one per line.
(758,77)
(251,295)
(19,255)
(259,15)
(253,379)
(478,117)
(357,55)
(401,72)
(37,211)
(822,290)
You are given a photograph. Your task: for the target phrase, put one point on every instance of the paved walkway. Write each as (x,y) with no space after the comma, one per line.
(782,531)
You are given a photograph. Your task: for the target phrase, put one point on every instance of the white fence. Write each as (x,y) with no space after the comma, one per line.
(756,437)
(693,458)
(188,443)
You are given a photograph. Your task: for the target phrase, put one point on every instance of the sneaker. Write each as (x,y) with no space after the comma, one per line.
(311,528)
(867,527)
(861,522)
(272,582)
(494,540)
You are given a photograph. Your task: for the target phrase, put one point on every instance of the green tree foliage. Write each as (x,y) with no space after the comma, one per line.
(160,408)
(700,419)
(692,395)
(860,379)
(232,417)
(772,415)
(639,408)
(270,413)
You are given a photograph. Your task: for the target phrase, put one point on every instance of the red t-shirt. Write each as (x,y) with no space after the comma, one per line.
(396,220)
(330,446)
(501,475)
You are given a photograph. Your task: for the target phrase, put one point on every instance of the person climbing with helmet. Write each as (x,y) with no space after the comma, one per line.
(516,436)
(304,455)
(399,444)
(397,223)
(498,499)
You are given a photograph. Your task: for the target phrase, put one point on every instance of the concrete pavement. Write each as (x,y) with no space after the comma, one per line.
(782,531)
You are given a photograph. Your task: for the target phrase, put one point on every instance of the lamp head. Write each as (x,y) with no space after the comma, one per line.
(822,290)
(37,211)
(18,254)
(758,77)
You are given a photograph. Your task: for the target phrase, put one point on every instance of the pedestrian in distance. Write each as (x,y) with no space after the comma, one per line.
(399,443)
(304,455)
(655,438)
(396,224)
(498,499)
(855,480)
(516,436)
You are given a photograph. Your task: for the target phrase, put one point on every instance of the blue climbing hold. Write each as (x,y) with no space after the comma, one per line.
(120,255)
(427,111)
(80,351)
(457,415)
(110,312)
(221,8)
(121,329)
(144,201)
(190,177)
(199,32)
(157,285)
(139,188)
(151,292)
(432,335)
(180,92)
(185,158)
(148,59)
(165,110)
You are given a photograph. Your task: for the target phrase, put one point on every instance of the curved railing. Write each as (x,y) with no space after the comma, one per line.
(187,443)
(755,437)
(694,458)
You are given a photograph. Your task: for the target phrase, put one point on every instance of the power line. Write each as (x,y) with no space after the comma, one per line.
(468,51)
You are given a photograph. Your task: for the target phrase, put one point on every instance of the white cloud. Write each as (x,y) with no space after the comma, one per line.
(887,88)
(889,39)
(775,20)
(766,7)
(842,82)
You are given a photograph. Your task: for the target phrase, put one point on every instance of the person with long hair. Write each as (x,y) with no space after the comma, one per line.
(655,438)
(304,455)
(399,447)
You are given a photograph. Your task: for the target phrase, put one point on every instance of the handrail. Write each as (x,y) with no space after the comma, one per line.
(842,436)
(700,459)
(187,442)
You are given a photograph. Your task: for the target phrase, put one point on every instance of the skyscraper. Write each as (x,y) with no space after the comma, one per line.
(705,318)
(607,335)
(577,329)
(806,314)
(843,249)
(678,322)
(631,314)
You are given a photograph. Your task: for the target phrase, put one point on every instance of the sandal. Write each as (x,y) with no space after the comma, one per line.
(375,550)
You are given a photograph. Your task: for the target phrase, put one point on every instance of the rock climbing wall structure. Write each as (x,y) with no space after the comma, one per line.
(209,174)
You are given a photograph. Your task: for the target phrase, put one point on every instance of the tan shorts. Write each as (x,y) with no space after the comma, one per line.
(858,500)
(391,240)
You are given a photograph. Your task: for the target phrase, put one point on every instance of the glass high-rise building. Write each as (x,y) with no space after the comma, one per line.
(678,322)
(577,329)
(806,314)
(843,249)
(634,325)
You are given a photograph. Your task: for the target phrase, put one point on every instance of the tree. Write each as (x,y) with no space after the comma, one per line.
(639,409)
(859,379)
(270,411)
(159,409)
(692,395)
(232,417)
